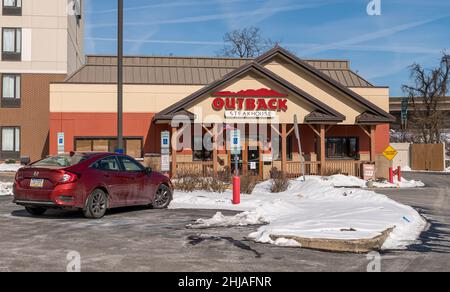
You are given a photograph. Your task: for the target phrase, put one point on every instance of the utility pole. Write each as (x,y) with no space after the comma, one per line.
(120,144)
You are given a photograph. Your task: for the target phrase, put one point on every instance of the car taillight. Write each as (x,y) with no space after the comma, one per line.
(68,178)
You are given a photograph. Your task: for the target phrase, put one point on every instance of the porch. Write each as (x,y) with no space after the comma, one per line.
(258,157)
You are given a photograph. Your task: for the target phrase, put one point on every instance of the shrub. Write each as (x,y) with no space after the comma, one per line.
(217,186)
(186,182)
(225,175)
(334,172)
(10,161)
(248,184)
(280,182)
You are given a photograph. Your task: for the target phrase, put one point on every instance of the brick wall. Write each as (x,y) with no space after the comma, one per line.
(33,115)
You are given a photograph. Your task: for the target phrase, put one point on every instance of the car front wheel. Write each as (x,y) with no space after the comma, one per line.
(96,205)
(163,197)
(35,211)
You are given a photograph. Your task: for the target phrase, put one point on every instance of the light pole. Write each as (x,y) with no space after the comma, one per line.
(120,144)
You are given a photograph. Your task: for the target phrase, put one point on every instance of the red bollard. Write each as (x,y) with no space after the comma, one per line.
(391,175)
(399,174)
(236,190)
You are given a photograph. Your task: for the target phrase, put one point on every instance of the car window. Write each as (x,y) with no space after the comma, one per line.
(130,165)
(61,160)
(109,163)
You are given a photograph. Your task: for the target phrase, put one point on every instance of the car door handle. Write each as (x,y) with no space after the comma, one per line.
(107,176)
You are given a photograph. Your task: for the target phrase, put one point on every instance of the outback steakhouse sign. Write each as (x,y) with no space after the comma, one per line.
(262,103)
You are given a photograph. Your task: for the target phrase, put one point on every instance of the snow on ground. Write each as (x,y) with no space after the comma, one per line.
(9,167)
(352,182)
(6,189)
(311,209)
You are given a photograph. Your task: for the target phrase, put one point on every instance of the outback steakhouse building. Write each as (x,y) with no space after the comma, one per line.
(344,120)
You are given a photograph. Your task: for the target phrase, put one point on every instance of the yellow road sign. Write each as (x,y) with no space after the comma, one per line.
(390,153)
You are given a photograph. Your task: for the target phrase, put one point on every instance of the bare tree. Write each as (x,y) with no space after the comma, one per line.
(246,43)
(428,90)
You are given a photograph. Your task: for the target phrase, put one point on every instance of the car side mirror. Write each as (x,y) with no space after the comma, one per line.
(148,170)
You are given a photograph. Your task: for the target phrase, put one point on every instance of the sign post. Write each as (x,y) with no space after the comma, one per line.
(390,153)
(61,148)
(165,151)
(297,134)
(236,148)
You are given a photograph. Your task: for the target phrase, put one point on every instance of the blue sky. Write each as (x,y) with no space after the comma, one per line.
(380,47)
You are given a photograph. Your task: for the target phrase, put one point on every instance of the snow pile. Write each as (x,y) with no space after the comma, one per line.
(404,183)
(311,209)
(219,220)
(354,182)
(6,189)
(9,167)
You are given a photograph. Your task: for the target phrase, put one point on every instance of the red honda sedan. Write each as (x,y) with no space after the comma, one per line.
(91,182)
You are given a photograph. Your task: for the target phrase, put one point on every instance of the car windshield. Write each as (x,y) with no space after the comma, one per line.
(61,160)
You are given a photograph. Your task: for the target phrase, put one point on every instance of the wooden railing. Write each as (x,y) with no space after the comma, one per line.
(294,169)
(346,167)
(197,168)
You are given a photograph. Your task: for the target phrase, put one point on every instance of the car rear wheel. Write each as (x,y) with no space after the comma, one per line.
(163,197)
(96,205)
(35,211)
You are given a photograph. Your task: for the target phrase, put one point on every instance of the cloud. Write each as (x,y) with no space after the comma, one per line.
(370,36)
(215,17)
(170,5)
(150,41)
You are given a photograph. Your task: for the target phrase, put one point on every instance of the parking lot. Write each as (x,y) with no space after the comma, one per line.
(139,239)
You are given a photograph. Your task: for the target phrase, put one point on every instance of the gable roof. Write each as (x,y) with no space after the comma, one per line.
(254,67)
(280,52)
(189,70)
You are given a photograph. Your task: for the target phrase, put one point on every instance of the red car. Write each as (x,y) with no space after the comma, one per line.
(91,182)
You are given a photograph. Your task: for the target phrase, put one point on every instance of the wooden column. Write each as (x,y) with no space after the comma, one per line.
(174,153)
(215,152)
(322,150)
(373,153)
(284,148)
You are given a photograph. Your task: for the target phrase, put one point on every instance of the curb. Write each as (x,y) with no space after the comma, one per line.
(335,245)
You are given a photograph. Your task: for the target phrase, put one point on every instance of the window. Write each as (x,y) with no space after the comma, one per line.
(12,44)
(64,160)
(12,7)
(202,150)
(342,148)
(289,150)
(130,165)
(133,146)
(10,142)
(108,164)
(11,90)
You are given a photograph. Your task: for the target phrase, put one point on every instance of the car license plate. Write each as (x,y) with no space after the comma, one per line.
(36,183)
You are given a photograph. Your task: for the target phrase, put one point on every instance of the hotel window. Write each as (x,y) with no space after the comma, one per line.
(10,142)
(342,148)
(12,44)
(11,90)
(133,146)
(202,150)
(12,7)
